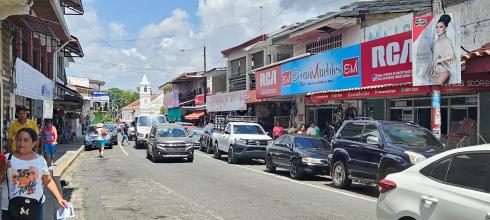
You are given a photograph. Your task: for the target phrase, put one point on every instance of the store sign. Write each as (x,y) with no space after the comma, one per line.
(268,82)
(322,98)
(388,28)
(436,53)
(332,70)
(469,83)
(230,101)
(32,83)
(171,100)
(199,100)
(99,96)
(387,60)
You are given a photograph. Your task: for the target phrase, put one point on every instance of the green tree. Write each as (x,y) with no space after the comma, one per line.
(120,98)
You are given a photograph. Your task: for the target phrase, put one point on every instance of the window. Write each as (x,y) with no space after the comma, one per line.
(171,132)
(370,130)
(438,170)
(352,131)
(310,143)
(145,89)
(247,129)
(35,59)
(228,129)
(278,141)
(330,43)
(286,141)
(414,136)
(258,60)
(470,171)
(24,50)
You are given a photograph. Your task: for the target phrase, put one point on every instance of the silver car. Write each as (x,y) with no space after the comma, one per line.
(169,141)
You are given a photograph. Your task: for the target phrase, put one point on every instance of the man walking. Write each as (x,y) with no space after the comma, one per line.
(293,129)
(277,131)
(21,122)
(101,135)
(50,136)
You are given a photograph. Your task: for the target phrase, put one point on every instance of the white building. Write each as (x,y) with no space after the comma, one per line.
(148,104)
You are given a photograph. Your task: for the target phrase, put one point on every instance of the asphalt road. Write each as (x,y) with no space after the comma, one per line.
(126,185)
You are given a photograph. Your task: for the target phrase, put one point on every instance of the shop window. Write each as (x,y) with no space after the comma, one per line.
(422,102)
(327,44)
(238,66)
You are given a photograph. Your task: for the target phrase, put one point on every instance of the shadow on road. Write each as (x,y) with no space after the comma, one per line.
(366,190)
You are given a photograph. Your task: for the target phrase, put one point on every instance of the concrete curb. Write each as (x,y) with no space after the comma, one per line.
(65,161)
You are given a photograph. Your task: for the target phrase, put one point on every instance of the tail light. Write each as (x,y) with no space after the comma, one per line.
(386,185)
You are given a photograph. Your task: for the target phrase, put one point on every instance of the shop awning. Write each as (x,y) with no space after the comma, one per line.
(73,49)
(194,116)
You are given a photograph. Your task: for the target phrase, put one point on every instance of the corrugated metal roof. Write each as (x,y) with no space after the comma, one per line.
(362,88)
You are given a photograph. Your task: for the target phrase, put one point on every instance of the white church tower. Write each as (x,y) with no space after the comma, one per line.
(145,96)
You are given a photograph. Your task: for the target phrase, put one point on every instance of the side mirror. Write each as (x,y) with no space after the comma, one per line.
(372,140)
(289,146)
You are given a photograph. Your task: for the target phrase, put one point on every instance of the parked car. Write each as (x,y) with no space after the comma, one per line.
(207,139)
(299,154)
(132,133)
(195,136)
(112,128)
(451,185)
(143,126)
(367,150)
(90,141)
(169,141)
(241,140)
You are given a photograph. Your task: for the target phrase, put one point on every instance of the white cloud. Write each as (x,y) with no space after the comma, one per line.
(225,23)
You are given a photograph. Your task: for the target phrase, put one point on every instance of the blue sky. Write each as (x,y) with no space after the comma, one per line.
(108,28)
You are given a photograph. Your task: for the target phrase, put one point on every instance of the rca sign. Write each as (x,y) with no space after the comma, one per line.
(268,82)
(387,60)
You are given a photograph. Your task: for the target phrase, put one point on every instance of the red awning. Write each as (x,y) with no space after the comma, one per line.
(194,116)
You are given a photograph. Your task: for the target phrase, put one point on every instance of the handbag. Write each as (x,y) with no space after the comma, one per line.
(23,208)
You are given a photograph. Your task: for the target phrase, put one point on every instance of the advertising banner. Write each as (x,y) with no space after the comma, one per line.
(32,83)
(199,100)
(436,43)
(171,100)
(230,101)
(387,28)
(332,70)
(268,82)
(387,60)
(99,96)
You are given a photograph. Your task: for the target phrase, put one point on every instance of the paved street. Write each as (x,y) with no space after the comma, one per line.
(126,185)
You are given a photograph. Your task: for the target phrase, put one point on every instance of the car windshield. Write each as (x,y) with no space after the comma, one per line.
(149,120)
(247,129)
(171,132)
(307,142)
(409,135)
(197,132)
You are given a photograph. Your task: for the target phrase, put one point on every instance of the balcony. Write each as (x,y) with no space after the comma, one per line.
(238,82)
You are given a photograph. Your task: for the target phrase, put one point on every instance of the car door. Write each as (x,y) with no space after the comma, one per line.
(273,149)
(151,139)
(285,150)
(370,154)
(226,138)
(349,140)
(457,187)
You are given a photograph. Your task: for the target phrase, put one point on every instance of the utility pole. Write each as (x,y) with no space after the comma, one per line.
(261,7)
(204,58)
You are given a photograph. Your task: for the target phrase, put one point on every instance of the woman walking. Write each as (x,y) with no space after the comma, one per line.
(302,129)
(24,175)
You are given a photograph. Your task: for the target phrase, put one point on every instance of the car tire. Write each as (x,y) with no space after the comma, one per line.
(87,148)
(209,148)
(110,146)
(217,152)
(148,155)
(387,171)
(200,146)
(296,170)
(190,159)
(231,156)
(269,165)
(340,177)
(154,157)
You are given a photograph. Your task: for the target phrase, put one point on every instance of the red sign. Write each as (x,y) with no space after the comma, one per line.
(268,82)
(350,67)
(387,60)
(199,100)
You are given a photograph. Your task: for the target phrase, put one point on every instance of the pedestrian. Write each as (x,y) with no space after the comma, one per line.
(302,130)
(293,129)
(50,137)
(277,131)
(312,130)
(101,135)
(24,175)
(21,122)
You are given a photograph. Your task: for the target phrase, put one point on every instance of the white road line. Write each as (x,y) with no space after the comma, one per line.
(302,183)
(124,151)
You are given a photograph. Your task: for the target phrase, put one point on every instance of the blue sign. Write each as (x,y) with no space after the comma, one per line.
(99,93)
(332,70)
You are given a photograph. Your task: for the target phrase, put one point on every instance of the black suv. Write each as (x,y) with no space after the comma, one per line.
(367,150)
(299,154)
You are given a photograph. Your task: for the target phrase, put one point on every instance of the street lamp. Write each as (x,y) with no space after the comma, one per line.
(203,55)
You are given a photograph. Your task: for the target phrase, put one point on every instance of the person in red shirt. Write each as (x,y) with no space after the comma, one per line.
(50,135)
(277,131)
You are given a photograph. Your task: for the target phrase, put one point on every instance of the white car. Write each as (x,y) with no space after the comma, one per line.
(451,185)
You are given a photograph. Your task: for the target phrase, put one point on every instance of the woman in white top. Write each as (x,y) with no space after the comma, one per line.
(27,172)
(443,53)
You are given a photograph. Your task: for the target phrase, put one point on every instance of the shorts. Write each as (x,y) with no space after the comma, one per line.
(101,143)
(125,138)
(49,148)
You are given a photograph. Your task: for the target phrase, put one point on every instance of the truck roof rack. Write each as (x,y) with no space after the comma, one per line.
(221,121)
(363,118)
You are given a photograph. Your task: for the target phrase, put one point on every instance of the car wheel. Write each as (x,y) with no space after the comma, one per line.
(200,146)
(209,149)
(296,171)
(339,175)
(87,148)
(269,165)
(217,152)
(154,157)
(110,146)
(231,156)
(148,155)
(387,171)
(190,158)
